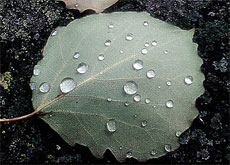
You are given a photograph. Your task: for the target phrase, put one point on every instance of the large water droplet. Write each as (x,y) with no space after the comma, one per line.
(76,55)
(82,68)
(67,85)
(169,104)
(154,43)
(147,101)
(129,155)
(144,123)
(150,74)
(169,83)
(168,148)
(111,125)
(101,57)
(111,25)
(109,99)
(129,37)
(32,86)
(54,33)
(178,133)
(137,98)
(147,44)
(44,87)
(36,72)
(188,80)
(153,152)
(107,43)
(144,51)
(130,87)
(138,65)
(146,23)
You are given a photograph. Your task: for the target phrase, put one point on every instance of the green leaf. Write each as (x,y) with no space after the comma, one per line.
(131,112)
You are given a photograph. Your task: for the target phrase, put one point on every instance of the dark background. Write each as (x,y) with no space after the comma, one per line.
(25,26)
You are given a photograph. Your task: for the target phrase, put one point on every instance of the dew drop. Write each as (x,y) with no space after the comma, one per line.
(76,6)
(146,23)
(137,98)
(188,80)
(36,72)
(129,155)
(129,37)
(138,65)
(147,101)
(166,52)
(109,99)
(126,103)
(144,123)
(32,86)
(169,104)
(169,83)
(120,148)
(111,25)
(67,85)
(144,51)
(154,106)
(111,125)
(76,55)
(168,148)
(101,57)
(107,43)
(159,87)
(121,51)
(82,68)
(44,87)
(153,152)
(54,33)
(135,115)
(178,133)
(147,44)
(130,87)
(150,74)
(154,43)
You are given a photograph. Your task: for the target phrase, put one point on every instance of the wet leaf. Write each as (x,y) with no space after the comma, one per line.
(123,81)
(97,5)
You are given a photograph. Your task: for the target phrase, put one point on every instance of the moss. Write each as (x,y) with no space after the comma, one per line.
(6,79)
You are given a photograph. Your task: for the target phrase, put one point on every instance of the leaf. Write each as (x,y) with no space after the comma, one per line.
(98,112)
(97,5)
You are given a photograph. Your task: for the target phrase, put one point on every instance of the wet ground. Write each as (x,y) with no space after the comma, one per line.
(25,26)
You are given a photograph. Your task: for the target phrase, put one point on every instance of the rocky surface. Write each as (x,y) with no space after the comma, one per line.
(24,29)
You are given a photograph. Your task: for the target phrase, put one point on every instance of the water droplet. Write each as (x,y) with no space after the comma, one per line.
(168,148)
(76,6)
(109,99)
(120,148)
(154,106)
(67,85)
(111,25)
(126,103)
(153,152)
(101,57)
(137,98)
(150,74)
(82,68)
(107,43)
(54,33)
(188,80)
(146,23)
(144,51)
(129,155)
(159,87)
(138,65)
(147,44)
(135,115)
(144,123)
(111,125)
(154,43)
(169,104)
(76,55)
(37,72)
(121,52)
(147,101)
(130,87)
(44,87)
(129,37)
(32,86)
(166,52)
(178,133)
(169,83)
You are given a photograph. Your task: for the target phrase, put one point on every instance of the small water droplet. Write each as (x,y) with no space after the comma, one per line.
(153,152)
(107,43)
(135,115)
(168,148)
(150,74)
(169,83)
(178,133)
(32,86)
(126,103)
(111,125)
(169,104)
(159,87)
(138,65)
(121,51)
(144,51)
(109,99)
(54,33)
(36,72)
(44,87)
(111,25)
(166,52)
(82,68)
(188,80)
(129,37)
(147,44)
(146,23)
(147,101)
(76,55)
(130,87)
(154,43)
(120,148)
(101,57)
(154,106)
(129,155)
(67,85)
(144,123)
(137,98)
